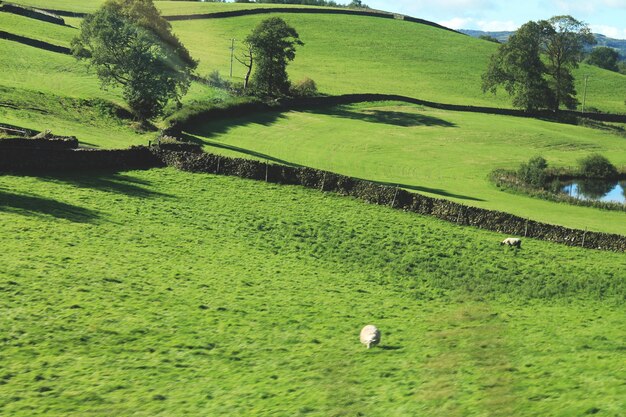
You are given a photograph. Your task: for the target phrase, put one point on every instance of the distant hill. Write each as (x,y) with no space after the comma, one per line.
(619,44)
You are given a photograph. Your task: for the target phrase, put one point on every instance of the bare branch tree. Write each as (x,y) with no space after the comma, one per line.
(247,60)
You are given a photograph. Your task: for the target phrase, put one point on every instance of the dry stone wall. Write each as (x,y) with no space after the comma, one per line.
(393,197)
(23,160)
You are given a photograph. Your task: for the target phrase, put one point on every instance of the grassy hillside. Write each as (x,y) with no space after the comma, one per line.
(435,152)
(30,28)
(47,90)
(348,54)
(168,8)
(146,293)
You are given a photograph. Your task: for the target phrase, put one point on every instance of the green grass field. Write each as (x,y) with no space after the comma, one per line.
(441,153)
(167,8)
(47,90)
(163,293)
(147,293)
(401,58)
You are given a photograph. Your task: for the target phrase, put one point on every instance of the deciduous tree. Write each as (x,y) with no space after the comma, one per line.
(517,66)
(130,45)
(604,57)
(535,82)
(273,44)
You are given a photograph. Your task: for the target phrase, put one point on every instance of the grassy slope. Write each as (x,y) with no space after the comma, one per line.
(440,153)
(192,308)
(40,89)
(30,28)
(343,56)
(403,58)
(168,8)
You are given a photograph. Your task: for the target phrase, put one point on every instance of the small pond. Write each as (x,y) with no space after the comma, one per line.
(609,191)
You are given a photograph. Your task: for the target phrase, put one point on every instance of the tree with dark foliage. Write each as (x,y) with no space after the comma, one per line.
(604,57)
(533,84)
(130,45)
(518,67)
(273,44)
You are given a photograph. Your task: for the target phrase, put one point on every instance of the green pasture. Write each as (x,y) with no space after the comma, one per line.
(435,152)
(342,57)
(353,54)
(161,293)
(43,31)
(168,8)
(47,90)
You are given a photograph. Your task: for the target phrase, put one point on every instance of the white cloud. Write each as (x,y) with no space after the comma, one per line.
(610,31)
(497,25)
(419,6)
(485,25)
(457,23)
(588,6)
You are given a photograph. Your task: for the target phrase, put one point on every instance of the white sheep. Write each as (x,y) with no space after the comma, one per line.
(512,241)
(370,336)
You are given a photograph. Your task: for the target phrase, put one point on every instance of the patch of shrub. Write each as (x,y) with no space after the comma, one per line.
(216,80)
(597,166)
(533,172)
(304,88)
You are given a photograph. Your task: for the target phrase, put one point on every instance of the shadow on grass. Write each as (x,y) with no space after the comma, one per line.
(387,347)
(108,181)
(388,117)
(217,127)
(38,206)
(270,158)
(239,150)
(437,191)
(394,118)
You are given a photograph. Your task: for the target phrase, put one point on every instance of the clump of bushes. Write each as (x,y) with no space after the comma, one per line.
(533,172)
(304,88)
(216,80)
(597,166)
(535,179)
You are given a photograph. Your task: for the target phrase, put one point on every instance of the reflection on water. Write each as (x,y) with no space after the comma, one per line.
(596,190)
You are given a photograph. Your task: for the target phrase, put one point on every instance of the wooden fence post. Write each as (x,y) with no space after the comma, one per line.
(393,202)
(526,229)
(584,236)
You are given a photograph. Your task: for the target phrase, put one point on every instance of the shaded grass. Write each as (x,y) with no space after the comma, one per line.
(46,90)
(36,29)
(180,305)
(95,122)
(440,153)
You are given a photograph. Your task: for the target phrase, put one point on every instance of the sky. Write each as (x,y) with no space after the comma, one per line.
(607,17)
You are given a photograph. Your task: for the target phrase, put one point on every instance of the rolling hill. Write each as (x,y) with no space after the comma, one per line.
(165,293)
(602,40)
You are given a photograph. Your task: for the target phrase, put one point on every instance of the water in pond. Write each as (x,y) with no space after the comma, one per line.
(596,190)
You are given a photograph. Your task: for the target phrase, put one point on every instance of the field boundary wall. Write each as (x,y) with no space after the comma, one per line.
(391,196)
(39,14)
(34,42)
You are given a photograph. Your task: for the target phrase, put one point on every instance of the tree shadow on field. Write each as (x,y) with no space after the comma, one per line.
(107,181)
(388,117)
(237,149)
(38,206)
(214,128)
(437,191)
